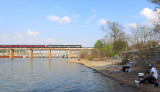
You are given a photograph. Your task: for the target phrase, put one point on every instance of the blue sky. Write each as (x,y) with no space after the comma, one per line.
(64,21)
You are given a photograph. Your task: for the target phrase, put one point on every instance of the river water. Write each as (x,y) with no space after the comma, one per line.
(55,75)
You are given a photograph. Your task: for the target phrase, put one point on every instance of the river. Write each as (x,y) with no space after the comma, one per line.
(55,75)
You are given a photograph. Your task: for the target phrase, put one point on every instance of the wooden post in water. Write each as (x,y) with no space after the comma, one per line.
(11,54)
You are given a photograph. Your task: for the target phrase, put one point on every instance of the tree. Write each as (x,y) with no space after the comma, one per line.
(119,46)
(141,35)
(156,21)
(155,1)
(99,44)
(152,43)
(114,30)
(103,50)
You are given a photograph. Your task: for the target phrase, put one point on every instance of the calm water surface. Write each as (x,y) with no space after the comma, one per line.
(56,75)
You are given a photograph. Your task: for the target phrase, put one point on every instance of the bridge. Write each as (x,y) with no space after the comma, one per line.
(31,50)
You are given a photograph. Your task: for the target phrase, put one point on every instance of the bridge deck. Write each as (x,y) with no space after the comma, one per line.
(46,48)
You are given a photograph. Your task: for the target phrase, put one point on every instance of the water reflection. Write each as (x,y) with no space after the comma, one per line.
(31,67)
(49,65)
(48,75)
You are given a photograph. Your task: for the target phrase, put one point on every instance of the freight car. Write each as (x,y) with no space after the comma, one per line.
(22,46)
(63,46)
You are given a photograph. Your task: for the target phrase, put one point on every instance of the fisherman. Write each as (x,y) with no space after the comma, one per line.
(78,59)
(128,65)
(151,78)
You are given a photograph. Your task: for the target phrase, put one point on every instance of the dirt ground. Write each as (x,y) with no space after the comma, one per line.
(112,69)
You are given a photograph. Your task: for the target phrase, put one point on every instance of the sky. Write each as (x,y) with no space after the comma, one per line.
(73,22)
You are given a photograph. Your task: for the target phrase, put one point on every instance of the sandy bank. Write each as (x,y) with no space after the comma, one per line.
(113,70)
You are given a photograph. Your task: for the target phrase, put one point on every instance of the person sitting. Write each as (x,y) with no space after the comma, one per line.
(78,59)
(128,65)
(150,79)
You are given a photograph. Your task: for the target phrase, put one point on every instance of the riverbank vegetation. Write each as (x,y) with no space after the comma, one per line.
(136,41)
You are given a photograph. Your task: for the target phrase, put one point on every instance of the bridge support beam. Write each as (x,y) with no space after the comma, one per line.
(55,55)
(65,55)
(68,54)
(50,55)
(11,54)
(30,54)
(59,54)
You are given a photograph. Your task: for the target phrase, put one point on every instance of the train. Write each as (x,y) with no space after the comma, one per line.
(40,46)
(63,46)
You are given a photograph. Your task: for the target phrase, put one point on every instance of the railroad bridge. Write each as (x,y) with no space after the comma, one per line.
(31,48)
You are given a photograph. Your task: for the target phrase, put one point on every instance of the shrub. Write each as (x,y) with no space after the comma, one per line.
(91,58)
(125,57)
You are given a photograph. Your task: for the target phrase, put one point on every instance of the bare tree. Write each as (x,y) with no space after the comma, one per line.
(135,34)
(114,30)
(156,21)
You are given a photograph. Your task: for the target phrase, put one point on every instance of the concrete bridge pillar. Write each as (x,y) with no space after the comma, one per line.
(26,54)
(52,54)
(65,54)
(30,54)
(39,55)
(11,54)
(49,54)
(45,54)
(55,55)
(68,54)
(42,54)
(59,54)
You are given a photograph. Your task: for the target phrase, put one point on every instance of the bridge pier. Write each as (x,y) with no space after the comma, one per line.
(55,55)
(30,54)
(68,54)
(59,54)
(49,54)
(52,55)
(11,54)
(65,54)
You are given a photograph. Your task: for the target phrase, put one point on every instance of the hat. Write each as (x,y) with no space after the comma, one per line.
(150,65)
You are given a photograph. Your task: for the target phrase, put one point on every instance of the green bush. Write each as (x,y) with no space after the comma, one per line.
(91,58)
(125,57)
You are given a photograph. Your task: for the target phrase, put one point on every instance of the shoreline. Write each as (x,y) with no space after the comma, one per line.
(110,70)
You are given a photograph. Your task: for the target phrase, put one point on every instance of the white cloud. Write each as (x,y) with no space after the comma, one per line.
(93,10)
(150,14)
(12,39)
(31,33)
(90,18)
(59,20)
(18,38)
(102,21)
(133,25)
